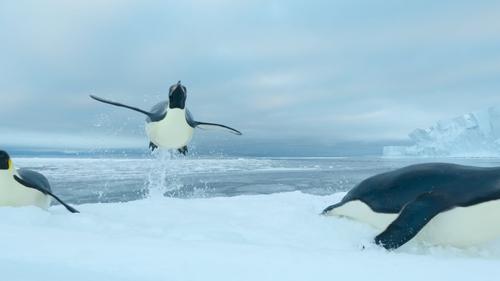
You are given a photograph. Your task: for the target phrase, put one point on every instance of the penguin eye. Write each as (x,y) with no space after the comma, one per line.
(184,88)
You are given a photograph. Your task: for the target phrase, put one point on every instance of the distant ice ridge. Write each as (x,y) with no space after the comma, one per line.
(474,134)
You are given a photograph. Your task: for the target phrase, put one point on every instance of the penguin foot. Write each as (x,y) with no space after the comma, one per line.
(183,150)
(152,146)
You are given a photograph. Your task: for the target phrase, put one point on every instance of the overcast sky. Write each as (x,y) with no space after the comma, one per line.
(322,72)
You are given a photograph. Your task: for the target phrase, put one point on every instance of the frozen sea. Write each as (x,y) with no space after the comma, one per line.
(171,218)
(105,180)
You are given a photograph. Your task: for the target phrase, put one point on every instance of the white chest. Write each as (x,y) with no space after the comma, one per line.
(172,132)
(16,195)
(460,226)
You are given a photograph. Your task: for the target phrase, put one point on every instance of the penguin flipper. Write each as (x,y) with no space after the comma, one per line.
(44,191)
(206,125)
(149,114)
(332,207)
(413,217)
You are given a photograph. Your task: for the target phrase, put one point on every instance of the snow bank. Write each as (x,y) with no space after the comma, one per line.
(475,134)
(265,237)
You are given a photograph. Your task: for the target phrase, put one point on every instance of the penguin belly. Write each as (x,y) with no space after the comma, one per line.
(172,132)
(14,194)
(458,227)
(464,226)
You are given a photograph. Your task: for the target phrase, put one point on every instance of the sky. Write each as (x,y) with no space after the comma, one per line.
(317,76)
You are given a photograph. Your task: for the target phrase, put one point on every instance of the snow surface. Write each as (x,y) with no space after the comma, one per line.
(474,134)
(262,237)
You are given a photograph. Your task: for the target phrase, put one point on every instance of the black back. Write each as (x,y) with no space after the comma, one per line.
(458,186)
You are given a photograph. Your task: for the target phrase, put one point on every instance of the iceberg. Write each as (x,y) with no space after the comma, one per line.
(475,134)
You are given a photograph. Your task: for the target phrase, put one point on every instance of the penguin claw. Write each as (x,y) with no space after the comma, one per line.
(183,150)
(152,146)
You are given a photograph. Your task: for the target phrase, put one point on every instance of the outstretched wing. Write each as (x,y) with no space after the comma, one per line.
(149,114)
(37,181)
(414,216)
(206,125)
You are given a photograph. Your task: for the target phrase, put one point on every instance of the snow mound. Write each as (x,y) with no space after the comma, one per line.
(264,237)
(474,134)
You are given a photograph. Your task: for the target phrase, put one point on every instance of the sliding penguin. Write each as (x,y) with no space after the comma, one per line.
(24,187)
(169,124)
(441,204)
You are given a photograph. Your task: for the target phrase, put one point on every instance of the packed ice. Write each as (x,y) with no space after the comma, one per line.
(259,237)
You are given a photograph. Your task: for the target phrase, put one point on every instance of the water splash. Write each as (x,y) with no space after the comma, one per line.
(162,176)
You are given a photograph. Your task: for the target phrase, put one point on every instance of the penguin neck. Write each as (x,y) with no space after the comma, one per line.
(8,175)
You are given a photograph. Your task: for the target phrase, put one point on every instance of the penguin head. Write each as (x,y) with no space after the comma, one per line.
(5,162)
(177,96)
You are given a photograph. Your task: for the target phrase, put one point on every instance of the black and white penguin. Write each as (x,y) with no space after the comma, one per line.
(439,203)
(169,124)
(23,187)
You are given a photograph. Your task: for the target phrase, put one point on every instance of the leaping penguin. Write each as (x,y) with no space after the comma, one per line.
(169,124)
(24,187)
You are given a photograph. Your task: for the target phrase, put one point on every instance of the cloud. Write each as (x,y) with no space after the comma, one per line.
(330,70)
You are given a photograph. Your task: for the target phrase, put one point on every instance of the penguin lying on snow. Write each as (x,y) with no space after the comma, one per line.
(169,124)
(439,203)
(24,187)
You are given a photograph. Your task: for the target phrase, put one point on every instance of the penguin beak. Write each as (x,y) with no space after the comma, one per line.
(177,96)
